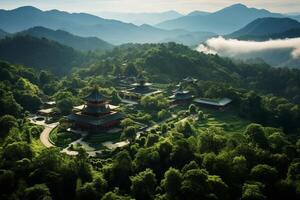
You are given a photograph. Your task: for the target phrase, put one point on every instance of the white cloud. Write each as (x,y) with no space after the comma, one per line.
(233,47)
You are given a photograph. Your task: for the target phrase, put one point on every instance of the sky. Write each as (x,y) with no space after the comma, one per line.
(183,6)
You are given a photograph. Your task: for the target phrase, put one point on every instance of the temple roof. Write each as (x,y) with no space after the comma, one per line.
(183,94)
(214,102)
(95,121)
(189,79)
(96,110)
(94,96)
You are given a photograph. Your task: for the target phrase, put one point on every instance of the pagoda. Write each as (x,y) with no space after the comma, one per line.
(181,96)
(138,89)
(190,80)
(95,114)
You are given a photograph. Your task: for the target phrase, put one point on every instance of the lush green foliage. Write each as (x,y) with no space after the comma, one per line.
(190,159)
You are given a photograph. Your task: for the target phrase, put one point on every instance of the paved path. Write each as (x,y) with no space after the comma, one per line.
(44,137)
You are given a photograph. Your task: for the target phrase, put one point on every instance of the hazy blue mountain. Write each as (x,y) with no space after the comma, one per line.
(82,24)
(274,57)
(197,12)
(40,53)
(296,17)
(191,39)
(265,27)
(141,18)
(65,38)
(223,21)
(3,34)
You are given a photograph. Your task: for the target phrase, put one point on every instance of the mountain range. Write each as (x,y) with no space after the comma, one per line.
(141,18)
(65,38)
(266,27)
(82,24)
(223,21)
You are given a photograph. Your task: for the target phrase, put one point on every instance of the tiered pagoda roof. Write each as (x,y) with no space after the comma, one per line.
(96,112)
(94,96)
(181,95)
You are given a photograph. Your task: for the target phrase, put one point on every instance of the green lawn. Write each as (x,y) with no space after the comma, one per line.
(63,139)
(228,120)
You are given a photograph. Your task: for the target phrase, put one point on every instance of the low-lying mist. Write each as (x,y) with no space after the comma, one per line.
(234,47)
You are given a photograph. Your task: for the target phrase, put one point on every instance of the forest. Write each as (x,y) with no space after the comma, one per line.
(177,159)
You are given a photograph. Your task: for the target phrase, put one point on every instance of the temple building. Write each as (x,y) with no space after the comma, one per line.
(138,89)
(181,96)
(95,114)
(220,104)
(189,80)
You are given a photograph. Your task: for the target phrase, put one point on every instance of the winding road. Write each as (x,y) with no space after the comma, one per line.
(44,137)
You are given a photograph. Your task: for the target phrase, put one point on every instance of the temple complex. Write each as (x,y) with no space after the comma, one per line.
(95,114)
(138,89)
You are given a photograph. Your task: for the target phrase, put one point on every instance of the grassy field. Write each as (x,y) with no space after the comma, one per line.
(228,120)
(62,139)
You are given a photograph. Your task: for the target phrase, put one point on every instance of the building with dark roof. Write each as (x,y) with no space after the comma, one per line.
(138,89)
(181,96)
(95,114)
(213,103)
(189,80)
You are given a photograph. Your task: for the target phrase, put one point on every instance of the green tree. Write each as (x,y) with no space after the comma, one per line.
(253,192)
(129,133)
(121,171)
(17,151)
(192,109)
(143,185)
(172,183)
(38,191)
(264,173)
(255,134)
(194,185)
(65,106)
(6,123)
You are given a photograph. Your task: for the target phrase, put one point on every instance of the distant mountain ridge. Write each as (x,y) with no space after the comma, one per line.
(223,21)
(198,12)
(65,38)
(268,28)
(81,24)
(141,18)
(41,54)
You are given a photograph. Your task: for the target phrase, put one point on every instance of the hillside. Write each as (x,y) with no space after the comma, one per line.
(65,38)
(172,62)
(191,39)
(3,34)
(81,24)
(266,26)
(223,21)
(40,53)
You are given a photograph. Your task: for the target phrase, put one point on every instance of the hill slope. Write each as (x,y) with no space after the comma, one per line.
(40,53)
(3,34)
(81,24)
(266,26)
(224,21)
(65,38)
